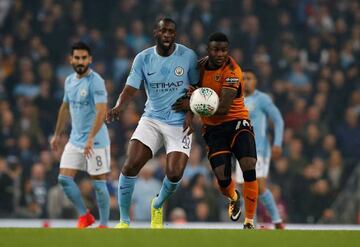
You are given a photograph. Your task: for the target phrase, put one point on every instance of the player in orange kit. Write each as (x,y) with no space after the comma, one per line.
(228,132)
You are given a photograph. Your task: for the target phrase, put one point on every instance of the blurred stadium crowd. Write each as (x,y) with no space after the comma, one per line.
(305,53)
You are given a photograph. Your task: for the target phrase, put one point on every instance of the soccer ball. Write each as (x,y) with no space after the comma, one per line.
(204,102)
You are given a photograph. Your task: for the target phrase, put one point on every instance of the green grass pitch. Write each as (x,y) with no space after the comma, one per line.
(175,237)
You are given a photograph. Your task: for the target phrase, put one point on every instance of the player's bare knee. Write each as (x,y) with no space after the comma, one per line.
(131,168)
(98,177)
(174,175)
(221,174)
(68,172)
(174,179)
(221,166)
(247,163)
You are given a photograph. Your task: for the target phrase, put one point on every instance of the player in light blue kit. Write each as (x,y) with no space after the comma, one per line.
(261,108)
(167,70)
(88,149)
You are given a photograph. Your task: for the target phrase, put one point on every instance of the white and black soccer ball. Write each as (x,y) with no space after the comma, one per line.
(204,102)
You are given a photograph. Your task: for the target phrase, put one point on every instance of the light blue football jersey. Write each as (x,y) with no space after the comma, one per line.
(82,95)
(165,80)
(261,108)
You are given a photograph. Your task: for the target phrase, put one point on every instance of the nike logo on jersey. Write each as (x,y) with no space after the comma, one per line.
(150,73)
(124,187)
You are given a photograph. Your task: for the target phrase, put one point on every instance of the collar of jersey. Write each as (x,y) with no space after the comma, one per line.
(90,72)
(220,68)
(157,54)
(253,94)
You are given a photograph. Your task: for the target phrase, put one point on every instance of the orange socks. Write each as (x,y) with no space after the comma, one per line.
(229,191)
(250,194)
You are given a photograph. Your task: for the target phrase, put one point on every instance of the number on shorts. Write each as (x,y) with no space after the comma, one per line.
(244,123)
(98,160)
(186,142)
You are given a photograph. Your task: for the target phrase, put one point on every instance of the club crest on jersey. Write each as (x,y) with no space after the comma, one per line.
(83,93)
(179,71)
(217,78)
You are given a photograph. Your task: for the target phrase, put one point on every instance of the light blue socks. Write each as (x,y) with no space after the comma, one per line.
(269,203)
(73,193)
(103,200)
(167,189)
(125,191)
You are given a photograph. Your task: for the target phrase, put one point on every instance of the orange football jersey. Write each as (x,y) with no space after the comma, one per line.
(228,76)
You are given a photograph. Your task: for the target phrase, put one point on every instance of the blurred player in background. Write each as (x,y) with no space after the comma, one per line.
(88,149)
(261,109)
(228,132)
(166,69)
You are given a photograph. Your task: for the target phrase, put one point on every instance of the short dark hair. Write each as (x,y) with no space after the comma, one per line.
(80,46)
(219,37)
(165,19)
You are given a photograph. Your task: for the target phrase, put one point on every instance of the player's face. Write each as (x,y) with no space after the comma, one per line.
(165,34)
(218,52)
(80,60)
(250,82)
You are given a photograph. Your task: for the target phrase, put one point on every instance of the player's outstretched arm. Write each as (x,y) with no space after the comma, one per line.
(127,93)
(63,117)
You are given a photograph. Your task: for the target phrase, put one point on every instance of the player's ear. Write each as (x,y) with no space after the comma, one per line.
(90,59)
(155,32)
(70,59)
(255,82)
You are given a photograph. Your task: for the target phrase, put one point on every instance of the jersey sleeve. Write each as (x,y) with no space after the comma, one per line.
(193,72)
(274,114)
(66,97)
(99,91)
(232,79)
(136,75)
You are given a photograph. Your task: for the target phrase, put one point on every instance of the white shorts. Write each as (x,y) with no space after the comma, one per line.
(154,134)
(73,158)
(262,169)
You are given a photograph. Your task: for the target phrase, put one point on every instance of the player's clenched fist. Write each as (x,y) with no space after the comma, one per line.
(113,114)
(54,143)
